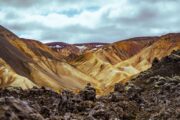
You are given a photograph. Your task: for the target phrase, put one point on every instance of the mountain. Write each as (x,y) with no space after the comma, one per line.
(153,94)
(74,50)
(38,63)
(64,49)
(122,60)
(26,63)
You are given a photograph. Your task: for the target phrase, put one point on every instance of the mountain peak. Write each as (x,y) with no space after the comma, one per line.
(7,33)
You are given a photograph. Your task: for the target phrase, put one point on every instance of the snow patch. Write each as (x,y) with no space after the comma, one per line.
(82,47)
(56,46)
(99,46)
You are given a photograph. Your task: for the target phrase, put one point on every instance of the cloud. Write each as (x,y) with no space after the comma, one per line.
(75,21)
(18,3)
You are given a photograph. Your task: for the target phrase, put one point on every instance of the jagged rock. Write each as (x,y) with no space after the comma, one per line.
(15,109)
(89,93)
(85,106)
(119,87)
(155,61)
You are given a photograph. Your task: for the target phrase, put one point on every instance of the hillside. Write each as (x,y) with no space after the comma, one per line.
(26,63)
(153,94)
(39,64)
(122,60)
(71,51)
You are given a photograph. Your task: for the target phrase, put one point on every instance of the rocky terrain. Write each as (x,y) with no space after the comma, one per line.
(153,94)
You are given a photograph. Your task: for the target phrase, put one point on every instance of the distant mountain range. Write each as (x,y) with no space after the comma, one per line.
(26,63)
(67,50)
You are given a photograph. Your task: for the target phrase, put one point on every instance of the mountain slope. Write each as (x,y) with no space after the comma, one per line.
(27,63)
(72,51)
(134,57)
(40,64)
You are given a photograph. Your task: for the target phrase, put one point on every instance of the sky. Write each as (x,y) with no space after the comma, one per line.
(82,21)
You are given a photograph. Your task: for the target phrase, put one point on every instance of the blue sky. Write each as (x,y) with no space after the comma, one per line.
(80,21)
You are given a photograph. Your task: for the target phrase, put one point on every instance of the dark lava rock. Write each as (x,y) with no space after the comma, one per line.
(155,61)
(15,109)
(89,93)
(119,87)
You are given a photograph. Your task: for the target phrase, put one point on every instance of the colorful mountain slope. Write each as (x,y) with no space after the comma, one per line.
(133,57)
(40,64)
(26,63)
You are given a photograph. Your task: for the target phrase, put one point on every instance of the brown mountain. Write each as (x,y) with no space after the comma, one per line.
(26,63)
(122,60)
(64,49)
(71,51)
(38,63)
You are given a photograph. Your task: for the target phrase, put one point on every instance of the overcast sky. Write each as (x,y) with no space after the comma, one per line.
(76,21)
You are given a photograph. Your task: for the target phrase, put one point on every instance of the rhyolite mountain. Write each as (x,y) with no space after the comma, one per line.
(70,51)
(26,63)
(153,94)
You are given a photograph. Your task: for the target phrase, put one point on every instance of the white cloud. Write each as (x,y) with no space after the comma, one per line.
(2,16)
(86,21)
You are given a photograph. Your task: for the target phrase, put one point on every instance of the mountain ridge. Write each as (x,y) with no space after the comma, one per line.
(41,65)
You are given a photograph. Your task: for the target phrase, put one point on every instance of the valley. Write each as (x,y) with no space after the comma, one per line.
(27,63)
